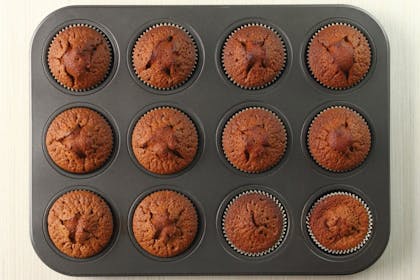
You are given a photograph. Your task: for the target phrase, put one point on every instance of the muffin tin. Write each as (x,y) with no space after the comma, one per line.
(210,99)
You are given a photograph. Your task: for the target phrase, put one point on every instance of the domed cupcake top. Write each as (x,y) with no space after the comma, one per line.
(164,56)
(254,223)
(79,140)
(340,223)
(253,56)
(79,57)
(165,140)
(80,224)
(339,139)
(254,140)
(339,56)
(165,223)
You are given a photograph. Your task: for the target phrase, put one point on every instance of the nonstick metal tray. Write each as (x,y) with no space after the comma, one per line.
(209,98)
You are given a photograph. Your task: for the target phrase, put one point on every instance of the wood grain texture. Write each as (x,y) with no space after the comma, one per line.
(18,20)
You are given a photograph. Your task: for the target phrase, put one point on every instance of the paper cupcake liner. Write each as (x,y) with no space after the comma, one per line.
(341,252)
(307,55)
(280,72)
(113,140)
(284,226)
(195,58)
(285,133)
(310,127)
(110,62)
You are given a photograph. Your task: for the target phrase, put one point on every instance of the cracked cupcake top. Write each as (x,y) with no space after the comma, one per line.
(339,139)
(254,140)
(253,56)
(164,57)
(253,223)
(79,58)
(79,140)
(339,56)
(165,141)
(165,223)
(80,224)
(339,222)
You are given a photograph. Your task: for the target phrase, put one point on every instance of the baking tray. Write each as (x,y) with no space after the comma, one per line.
(210,98)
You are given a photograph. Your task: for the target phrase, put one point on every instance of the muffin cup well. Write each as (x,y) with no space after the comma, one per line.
(350,250)
(309,129)
(280,72)
(195,54)
(310,42)
(284,223)
(109,45)
(283,128)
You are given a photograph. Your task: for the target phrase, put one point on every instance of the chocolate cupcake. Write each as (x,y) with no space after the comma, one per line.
(254,223)
(339,56)
(79,57)
(254,140)
(164,56)
(79,140)
(165,223)
(339,139)
(253,56)
(80,224)
(164,140)
(340,223)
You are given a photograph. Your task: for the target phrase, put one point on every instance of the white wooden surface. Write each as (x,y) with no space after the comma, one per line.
(401,21)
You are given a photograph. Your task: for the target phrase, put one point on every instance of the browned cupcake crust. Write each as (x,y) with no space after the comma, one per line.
(165,223)
(339,223)
(254,140)
(253,223)
(164,56)
(165,141)
(79,140)
(79,57)
(253,56)
(339,139)
(80,224)
(339,56)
